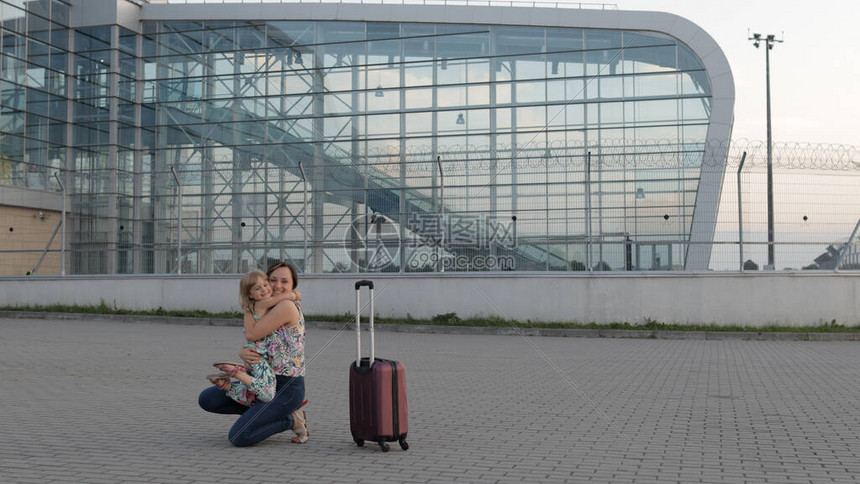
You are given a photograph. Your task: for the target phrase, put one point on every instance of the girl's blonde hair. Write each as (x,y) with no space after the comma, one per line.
(245,284)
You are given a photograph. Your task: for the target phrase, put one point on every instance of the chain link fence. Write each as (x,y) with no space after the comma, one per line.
(538,208)
(816,202)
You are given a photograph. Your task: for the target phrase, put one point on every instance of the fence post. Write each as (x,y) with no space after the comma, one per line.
(63,224)
(304,218)
(741,214)
(179,221)
(441,247)
(587,212)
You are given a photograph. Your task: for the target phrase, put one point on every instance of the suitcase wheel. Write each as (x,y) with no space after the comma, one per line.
(403,444)
(384,446)
(359,442)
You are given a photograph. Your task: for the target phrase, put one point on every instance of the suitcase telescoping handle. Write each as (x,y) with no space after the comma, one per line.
(358,323)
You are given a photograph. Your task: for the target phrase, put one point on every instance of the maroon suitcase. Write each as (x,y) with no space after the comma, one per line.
(377,391)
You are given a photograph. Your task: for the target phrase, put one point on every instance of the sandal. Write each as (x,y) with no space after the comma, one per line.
(231,367)
(220,380)
(302,433)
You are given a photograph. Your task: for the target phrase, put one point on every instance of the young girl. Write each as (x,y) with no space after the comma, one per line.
(258,381)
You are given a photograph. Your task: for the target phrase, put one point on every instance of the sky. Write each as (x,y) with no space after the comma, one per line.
(813,74)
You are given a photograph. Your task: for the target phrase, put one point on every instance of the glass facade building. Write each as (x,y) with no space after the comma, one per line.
(367,138)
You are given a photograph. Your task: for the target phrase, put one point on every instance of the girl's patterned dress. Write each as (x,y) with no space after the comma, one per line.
(262,376)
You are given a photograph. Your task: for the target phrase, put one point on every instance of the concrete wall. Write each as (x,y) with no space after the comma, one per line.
(755,299)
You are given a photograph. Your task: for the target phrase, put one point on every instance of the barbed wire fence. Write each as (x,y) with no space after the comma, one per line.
(816,190)
(816,198)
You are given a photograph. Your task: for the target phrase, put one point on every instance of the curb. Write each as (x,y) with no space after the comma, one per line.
(464,330)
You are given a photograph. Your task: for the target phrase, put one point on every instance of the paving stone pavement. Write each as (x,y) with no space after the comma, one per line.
(93,401)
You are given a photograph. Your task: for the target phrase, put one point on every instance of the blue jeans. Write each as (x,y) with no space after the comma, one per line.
(261,420)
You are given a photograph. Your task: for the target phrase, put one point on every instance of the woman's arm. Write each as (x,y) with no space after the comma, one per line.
(263,305)
(285,313)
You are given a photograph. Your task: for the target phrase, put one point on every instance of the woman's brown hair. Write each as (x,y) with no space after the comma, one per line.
(277,265)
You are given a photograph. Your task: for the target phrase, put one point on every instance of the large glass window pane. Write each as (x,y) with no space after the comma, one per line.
(478,120)
(37,77)
(39,7)
(92,38)
(695,82)
(419,98)
(251,38)
(566,42)
(330,32)
(454,46)
(531,117)
(650,59)
(611,113)
(382,30)
(652,85)
(531,92)
(287,34)
(37,53)
(478,95)
(218,39)
(687,60)
(12,121)
(419,42)
(60,12)
(637,39)
(37,102)
(174,40)
(695,110)
(517,40)
(695,132)
(58,108)
(575,114)
(383,125)
(38,27)
(420,74)
(525,66)
(419,123)
(340,103)
(610,87)
(127,41)
(13,18)
(59,38)
(603,55)
(503,119)
(453,96)
(503,93)
(384,77)
(14,45)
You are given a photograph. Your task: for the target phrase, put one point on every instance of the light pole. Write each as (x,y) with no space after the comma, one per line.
(769,41)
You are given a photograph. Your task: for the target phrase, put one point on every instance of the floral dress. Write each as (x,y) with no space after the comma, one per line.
(263,382)
(287,349)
